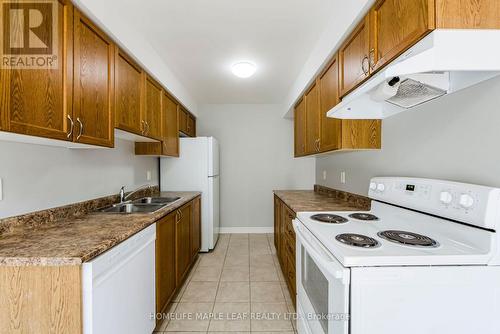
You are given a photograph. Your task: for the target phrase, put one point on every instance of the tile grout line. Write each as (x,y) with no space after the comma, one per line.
(219,282)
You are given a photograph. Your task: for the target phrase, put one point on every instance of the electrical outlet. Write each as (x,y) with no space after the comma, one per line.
(148,175)
(1,190)
(324,175)
(342,177)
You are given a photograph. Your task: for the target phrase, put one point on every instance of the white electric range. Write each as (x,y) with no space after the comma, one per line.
(424,259)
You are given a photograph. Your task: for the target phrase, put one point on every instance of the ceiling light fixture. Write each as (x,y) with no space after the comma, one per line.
(244,69)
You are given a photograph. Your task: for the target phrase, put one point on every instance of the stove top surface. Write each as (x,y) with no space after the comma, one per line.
(399,236)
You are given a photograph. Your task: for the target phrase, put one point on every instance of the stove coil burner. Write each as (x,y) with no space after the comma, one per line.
(408,238)
(328,218)
(363,216)
(357,240)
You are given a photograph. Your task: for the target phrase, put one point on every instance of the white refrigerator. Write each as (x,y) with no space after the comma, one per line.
(197,169)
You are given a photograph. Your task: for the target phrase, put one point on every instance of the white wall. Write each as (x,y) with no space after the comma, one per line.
(256,146)
(456,137)
(39,177)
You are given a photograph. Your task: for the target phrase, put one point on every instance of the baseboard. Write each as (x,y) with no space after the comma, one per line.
(227,230)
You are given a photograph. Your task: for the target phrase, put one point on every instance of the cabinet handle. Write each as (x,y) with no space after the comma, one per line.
(143,126)
(147,128)
(363,62)
(70,133)
(81,128)
(317,142)
(372,58)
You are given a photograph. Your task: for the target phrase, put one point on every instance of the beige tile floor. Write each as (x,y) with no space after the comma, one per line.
(237,288)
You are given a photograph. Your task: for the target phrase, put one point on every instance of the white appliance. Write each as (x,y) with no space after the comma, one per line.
(119,287)
(197,169)
(424,259)
(437,65)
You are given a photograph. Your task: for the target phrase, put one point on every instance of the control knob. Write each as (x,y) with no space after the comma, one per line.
(380,187)
(466,201)
(373,186)
(445,197)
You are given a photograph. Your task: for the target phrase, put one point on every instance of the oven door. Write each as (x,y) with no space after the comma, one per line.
(322,287)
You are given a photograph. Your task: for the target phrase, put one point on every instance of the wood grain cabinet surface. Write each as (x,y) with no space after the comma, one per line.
(129,92)
(39,102)
(395,25)
(354,59)
(312,119)
(182,242)
(195,229)
(284,242)
(323,134)
(300,128)
(165,261)
(152,108)
(93,84)
(170,123)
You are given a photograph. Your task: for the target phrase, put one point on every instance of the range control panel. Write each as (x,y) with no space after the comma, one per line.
(468,203)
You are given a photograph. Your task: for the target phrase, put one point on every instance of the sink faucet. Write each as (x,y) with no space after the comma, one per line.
(124,197)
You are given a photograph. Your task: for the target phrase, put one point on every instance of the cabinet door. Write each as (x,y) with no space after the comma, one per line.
(183,117)
(165,261)
(277,225)
(38,102)
(312,119)
(300,128)
(195,227)
(191,126)
(353,57)
(128,94)
(395,26)
(183,257)
(152,108)
(330,128)
(361,134)
(170,123)
(93,84)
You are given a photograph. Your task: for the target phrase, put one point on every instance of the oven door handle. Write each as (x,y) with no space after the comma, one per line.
(319,254)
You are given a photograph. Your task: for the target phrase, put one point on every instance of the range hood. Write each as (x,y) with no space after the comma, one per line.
(443,62)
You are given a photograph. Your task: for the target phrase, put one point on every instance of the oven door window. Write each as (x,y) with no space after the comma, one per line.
(316,287)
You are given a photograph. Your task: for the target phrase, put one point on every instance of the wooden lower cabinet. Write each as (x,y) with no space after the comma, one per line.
(165,260)
(284,241)
(176,250)
(195,232)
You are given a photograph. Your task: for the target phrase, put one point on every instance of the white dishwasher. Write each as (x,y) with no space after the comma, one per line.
(119,287)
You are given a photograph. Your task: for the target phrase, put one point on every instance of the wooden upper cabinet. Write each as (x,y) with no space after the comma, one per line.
(38,102)
(191,126)
(300,128)
(330,128)
(165,261)
(152,108)
(183,120)
(128,94)
(312,119)
(353,58)
(93,84)
(170,123)
(395,25)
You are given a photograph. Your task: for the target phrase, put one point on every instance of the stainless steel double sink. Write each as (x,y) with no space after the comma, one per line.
(141,205)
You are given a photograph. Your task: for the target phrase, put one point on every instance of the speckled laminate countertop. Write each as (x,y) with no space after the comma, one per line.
(72,241)
(322,199)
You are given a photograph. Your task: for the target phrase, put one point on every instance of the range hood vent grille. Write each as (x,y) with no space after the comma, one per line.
(412,93)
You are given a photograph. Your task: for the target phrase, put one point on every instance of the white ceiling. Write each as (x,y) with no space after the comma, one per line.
(199,40)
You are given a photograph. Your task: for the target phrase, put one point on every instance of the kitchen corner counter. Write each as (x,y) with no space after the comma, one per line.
(322,199)
(75,240)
